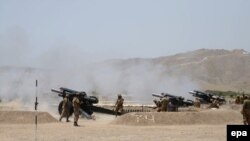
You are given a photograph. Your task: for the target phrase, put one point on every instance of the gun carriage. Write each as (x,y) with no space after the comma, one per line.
(175,101)
(206,97)
(86,102)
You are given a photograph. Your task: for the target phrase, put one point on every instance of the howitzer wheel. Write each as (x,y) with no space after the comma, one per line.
(70,108)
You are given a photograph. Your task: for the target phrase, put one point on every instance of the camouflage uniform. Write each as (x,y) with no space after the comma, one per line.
(119,104)
(246,112)
(158,105)
(164,104)
(241,99)
(214,104)
(76,105)
(197,103)
(237,100)
(65,109)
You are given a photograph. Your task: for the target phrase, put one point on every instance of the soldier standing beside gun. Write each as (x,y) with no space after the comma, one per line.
(197,103)
(65,108)
(246,111)
(215,103)
(76,106)
(164,104)
(158,105)
(119,104)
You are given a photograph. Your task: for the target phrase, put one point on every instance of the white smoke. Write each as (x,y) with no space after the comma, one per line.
(135,82)
(66,65)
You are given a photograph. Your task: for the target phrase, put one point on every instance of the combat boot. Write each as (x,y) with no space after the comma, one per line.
(75,124)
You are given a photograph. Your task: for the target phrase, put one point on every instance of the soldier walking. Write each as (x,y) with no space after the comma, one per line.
(246,111)
(76,106)
(119,104)
(65,112)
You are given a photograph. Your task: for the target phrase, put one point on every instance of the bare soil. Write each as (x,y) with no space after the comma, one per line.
(25,117)
(208,117)
(203,125)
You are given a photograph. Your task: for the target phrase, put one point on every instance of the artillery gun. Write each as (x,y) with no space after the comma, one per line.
(86,102)
(176,101)
(206,97)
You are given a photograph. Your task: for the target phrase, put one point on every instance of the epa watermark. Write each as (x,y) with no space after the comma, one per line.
(238,132)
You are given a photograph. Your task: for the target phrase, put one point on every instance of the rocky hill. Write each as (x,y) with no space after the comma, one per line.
(213,69)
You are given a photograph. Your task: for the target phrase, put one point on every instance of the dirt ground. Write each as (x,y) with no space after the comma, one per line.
(109,128)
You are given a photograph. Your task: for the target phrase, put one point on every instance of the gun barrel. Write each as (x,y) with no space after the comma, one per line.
(169,95)
(56,91)
(59,92)
(156,95)
(68,90)
(192,92)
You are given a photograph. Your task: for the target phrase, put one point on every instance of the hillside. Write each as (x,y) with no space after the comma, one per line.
(136,78)
(215,69)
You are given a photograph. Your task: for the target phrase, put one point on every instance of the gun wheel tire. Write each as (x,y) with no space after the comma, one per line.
(70,108)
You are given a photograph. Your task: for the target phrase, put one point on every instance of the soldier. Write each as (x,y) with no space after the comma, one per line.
(65,112)
(197,103)
(246,111)
(214,104)
(237,100)
(119,104)
(76,106)
(158,105)
(242,99)
(164,104)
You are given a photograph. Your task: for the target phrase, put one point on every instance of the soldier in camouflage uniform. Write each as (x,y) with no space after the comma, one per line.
(246,111)
(119,104)
(237,100)
(214,104)
(65,112)
(241,99)
(76,106)
(158,105)
(164,104)
(197,103)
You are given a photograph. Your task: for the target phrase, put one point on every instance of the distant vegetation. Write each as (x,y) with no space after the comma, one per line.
(231,94)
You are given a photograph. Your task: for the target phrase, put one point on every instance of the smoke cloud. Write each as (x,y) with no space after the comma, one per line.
(66,65)
(106,80)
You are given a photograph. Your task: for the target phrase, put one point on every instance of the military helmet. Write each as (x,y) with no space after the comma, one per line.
(119,95)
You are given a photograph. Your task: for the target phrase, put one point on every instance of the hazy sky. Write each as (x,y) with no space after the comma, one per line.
(95,30)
